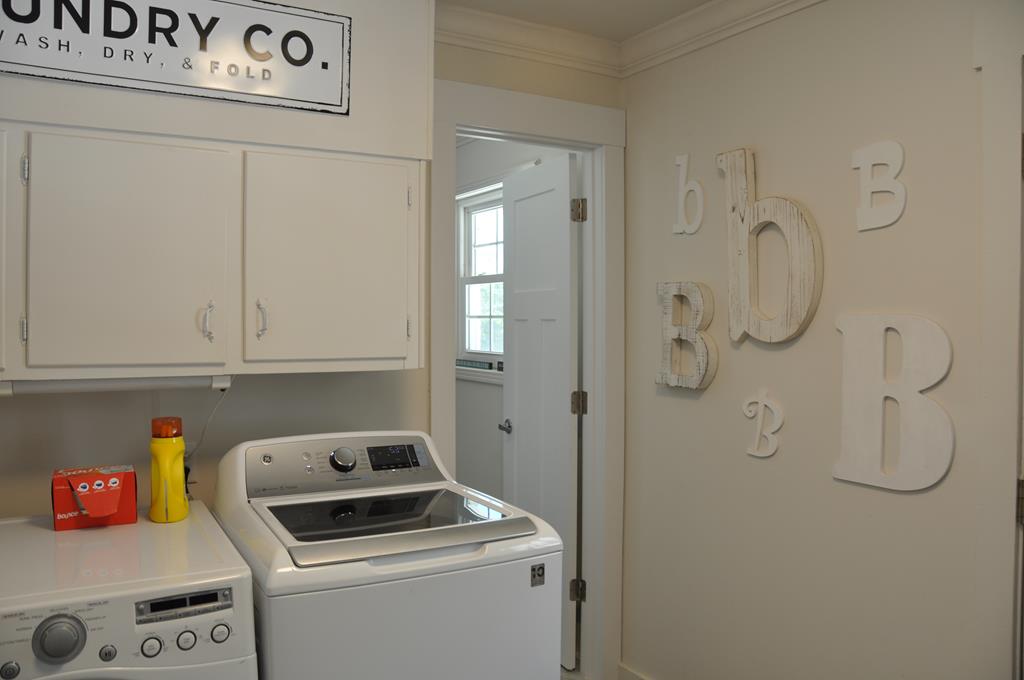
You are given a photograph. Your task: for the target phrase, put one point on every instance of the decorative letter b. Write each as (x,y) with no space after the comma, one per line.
(746,217)
(925,432)
(675,333)
(890,156)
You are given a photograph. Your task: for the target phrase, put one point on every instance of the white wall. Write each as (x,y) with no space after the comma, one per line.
(40,433)
(487,68)
(740,568)
(479,442)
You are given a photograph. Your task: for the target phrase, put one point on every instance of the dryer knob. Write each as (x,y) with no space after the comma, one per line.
(59,639)
(343,459)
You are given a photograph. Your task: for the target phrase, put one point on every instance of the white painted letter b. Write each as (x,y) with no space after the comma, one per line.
(925,429)
(888,155)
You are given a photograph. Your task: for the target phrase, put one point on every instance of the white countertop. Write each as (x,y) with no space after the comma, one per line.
(38,560)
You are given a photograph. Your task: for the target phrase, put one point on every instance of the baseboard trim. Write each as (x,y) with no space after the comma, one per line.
(627,673)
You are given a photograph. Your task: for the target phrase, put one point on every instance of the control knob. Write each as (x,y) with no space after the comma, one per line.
(343,459)
(59,639)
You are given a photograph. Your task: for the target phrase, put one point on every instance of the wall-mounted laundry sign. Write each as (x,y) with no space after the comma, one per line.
(243,50)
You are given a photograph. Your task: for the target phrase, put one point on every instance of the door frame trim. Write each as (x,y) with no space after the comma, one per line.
(998,50)
(602,131)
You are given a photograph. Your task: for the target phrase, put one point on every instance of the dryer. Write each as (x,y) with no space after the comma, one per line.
(371,563)
(133,602)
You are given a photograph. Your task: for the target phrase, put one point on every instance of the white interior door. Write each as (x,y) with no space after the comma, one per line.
(540,360)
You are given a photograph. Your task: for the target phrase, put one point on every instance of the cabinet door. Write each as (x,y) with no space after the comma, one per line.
(325,257)
(127,248)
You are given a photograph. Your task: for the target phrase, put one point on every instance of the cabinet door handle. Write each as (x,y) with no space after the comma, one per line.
(207,313)
(264,321)
(506,426)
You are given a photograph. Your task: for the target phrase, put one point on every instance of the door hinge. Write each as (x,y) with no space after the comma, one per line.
(578,403)
(24,330)
(577,590)
(578,209)
(408,196)
(408,327)
(1020,501)
(24,169)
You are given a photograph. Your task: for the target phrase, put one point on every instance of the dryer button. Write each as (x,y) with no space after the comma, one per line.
(151,647)
(220,633)
(186,641)
(10,670)
(107,653)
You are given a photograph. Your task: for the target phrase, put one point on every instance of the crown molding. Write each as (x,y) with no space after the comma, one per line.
(702,26)
(488,32)
(705,25)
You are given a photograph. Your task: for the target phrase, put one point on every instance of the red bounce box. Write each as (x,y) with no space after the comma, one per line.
(94,497)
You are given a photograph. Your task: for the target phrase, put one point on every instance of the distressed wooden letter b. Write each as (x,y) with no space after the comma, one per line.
(746,218)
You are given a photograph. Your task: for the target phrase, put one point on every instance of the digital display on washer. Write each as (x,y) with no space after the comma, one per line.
(191,604)
(168,605)
(395,457)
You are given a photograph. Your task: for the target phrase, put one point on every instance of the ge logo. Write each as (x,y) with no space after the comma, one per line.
(267,459)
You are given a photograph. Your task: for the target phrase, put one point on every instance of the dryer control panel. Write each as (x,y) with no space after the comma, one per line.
(89,636)
(332,464)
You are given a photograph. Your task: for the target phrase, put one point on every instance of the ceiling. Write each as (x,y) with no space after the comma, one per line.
(612,19)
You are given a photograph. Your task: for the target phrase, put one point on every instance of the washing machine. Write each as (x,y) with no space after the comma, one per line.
(371,563)
(134,602)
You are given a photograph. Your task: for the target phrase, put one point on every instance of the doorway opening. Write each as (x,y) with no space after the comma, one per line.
(598,135)
(519,342)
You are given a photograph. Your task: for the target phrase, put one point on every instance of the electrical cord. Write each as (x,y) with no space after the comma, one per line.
(202,435)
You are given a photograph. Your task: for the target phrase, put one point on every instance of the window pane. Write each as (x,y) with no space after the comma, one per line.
(485,226)
(485,335)
(498,299)
(478,299)
(501,258)
(501,224)
(475,335)
(485,261)
(497,335)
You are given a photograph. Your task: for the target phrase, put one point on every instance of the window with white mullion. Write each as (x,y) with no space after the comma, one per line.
(481,277)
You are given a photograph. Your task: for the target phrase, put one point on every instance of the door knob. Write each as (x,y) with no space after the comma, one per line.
(506,426)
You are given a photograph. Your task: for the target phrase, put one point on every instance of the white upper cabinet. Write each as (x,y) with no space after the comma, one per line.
(127,252)
(327,242)
(159,234)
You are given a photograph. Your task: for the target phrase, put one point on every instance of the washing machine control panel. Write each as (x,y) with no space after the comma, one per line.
(171,630)
(330,464)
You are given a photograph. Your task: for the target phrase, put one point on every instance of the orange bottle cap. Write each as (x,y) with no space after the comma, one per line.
(166,428)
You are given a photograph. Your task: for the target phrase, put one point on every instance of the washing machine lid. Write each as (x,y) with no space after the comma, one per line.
(349,529)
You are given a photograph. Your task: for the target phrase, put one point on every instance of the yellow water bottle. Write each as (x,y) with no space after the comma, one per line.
(168,502)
